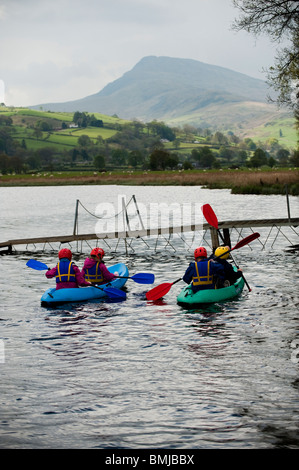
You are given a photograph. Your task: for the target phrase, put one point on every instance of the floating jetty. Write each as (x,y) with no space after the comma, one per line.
(8,247)
(197,231)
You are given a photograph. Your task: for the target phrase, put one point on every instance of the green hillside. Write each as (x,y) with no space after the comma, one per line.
(33,141)
(25,122)
(282,129)
(263,122)
(260,126)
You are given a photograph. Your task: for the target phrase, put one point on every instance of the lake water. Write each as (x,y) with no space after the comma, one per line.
(144,375)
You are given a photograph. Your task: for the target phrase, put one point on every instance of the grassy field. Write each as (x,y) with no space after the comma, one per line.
(259,125)
(92,132)
(283,130)
(61,140)
(25,119)
(60,116)
(238,181)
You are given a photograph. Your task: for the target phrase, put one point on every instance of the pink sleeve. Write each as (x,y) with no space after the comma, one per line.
(108,276)
(51,273)
(83,272)
(79,277)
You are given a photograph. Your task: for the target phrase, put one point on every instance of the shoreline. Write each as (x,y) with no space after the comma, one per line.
(238,181)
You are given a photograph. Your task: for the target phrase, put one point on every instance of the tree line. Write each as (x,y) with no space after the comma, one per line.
(153,146)
(279,19)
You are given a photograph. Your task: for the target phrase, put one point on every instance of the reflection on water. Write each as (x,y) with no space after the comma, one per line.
(140,374)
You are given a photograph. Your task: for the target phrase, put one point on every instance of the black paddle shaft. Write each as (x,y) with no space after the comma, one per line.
(222,238)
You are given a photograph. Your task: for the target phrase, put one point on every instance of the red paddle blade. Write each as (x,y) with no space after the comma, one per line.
(210,215)
(159,291)
(246,240)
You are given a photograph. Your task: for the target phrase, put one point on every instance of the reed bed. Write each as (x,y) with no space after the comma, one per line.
(238,181)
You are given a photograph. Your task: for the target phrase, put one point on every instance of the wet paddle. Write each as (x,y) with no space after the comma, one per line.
(141,278)
(38,265)
(241,243)
(161,290)
(211,218)
(110,291)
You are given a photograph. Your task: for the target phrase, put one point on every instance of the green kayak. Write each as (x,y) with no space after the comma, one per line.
(188,298)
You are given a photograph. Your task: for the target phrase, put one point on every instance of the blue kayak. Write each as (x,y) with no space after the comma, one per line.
(54,297)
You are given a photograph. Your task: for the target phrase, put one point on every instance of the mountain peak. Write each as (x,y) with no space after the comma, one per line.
(169,89)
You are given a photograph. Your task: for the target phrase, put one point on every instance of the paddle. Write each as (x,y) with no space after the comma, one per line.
(141,278)
(241,243)
(211,218)
(110,291)
(159,291)
(38,265)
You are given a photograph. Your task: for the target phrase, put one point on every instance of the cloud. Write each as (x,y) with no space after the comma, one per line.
(2,92)
(70,13)
(62,50)
(2,12)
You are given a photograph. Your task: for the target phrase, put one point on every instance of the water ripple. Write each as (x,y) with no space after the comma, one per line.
(139,374)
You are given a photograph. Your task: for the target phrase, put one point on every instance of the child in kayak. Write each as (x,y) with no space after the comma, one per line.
(230,275)
(67,274)
(202,271)
(94,269)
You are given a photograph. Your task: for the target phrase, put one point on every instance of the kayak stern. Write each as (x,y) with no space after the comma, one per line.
(54,297)
(208,296)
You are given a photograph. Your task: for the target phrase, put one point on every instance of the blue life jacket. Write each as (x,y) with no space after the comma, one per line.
(65,271)
(94,274)
(202,275)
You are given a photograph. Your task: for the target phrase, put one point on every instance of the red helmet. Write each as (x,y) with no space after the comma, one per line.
(200,252)
(98,252)
(65,253)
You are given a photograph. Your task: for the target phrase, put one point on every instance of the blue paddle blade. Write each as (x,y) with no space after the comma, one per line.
(112,292)
(34,264)
(144,278)
(115,293)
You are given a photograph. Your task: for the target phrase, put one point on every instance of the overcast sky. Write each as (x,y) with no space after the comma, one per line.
(62,50)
